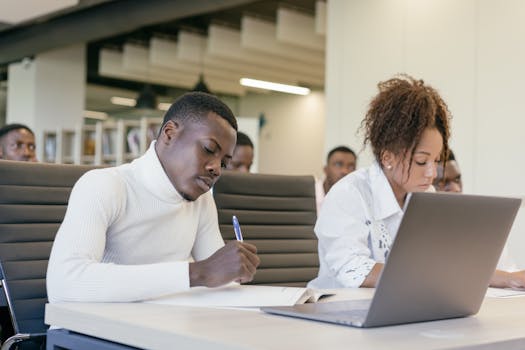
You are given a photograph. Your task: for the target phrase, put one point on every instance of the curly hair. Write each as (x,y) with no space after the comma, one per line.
(398,115)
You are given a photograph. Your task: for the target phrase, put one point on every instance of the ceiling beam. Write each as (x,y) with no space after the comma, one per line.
(94,23)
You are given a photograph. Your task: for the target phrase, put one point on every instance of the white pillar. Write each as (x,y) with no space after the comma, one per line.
(3,102)
(48,91)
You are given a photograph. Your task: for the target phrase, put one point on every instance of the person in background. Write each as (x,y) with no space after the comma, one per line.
(448,178)
(340,162)
(17,142)
(149,228)
(408,127)
(242,159)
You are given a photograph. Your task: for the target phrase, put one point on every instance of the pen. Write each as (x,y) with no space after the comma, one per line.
(237,228)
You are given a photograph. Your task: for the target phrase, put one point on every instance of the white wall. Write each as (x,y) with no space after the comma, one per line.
(472,51)
(292,140)
(48,91)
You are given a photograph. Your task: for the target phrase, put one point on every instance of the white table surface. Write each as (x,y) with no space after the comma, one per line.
(156,326)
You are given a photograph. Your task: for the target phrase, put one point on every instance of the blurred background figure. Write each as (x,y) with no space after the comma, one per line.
(242,159)
(340,162)
(17,142)
(448,178)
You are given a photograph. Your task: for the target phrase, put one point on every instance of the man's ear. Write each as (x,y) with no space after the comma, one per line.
(325,169)
(170,131)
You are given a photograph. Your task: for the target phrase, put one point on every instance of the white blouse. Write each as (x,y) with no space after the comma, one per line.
(355,227)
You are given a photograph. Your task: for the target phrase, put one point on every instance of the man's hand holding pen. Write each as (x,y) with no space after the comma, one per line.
(236,261)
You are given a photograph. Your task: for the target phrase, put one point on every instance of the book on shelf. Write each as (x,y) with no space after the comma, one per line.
(235,295)
(50,147)
(133,138)
(89,143)
(108,143)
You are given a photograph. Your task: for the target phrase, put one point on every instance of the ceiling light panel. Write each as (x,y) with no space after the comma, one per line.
(110,65)
(226,43)
(320,17)
(261,36)
(169,54)
(298,29)
(16,11)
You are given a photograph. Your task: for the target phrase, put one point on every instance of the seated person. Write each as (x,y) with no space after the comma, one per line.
(17,142)
(149,228)
(242,159)
(448,179)
(340,162)
(407,125)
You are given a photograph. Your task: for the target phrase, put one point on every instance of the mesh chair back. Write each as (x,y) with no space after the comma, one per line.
(277,213)
(33,201)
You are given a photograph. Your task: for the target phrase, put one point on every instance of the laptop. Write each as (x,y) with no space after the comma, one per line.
(440,264)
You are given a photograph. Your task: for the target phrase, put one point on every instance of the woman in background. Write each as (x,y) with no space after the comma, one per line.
(408,127)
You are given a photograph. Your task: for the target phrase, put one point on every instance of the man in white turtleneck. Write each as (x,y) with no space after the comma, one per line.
(149,228)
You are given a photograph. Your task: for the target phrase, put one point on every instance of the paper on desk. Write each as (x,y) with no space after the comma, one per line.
(241,296)
(504,293)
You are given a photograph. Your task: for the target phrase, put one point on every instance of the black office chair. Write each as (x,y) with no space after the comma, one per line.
(33,200)
(277,213)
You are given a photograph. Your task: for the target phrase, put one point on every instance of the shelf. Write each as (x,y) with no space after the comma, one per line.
(103,143)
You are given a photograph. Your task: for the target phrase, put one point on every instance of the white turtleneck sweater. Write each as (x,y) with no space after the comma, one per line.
(128,235)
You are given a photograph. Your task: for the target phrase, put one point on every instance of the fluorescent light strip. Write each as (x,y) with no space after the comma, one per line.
(261,84)
(164,106)
(123,101)
(95,115)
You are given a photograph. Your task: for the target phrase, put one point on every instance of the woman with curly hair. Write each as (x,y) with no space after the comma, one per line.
(408,127)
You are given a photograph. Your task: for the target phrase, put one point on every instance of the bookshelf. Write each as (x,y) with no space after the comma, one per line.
(104,143)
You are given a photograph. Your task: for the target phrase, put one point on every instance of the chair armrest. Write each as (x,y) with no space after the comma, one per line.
(20,338)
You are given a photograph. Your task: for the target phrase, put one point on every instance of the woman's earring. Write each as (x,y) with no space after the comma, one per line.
(389,166)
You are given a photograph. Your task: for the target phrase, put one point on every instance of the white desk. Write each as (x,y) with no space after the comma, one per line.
(163,327)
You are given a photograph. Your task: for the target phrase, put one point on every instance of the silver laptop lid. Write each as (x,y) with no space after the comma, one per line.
(445,252)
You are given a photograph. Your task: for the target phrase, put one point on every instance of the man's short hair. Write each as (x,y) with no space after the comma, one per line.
(196,106)
(10,127)
(243,140)
(343,149)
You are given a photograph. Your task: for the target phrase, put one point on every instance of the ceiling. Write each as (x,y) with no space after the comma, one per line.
(12,14)
(170,43)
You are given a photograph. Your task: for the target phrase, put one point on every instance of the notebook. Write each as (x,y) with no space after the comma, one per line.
(444,254)
(235,295)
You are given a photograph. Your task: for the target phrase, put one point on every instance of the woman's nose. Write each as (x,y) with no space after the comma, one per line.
(431,170)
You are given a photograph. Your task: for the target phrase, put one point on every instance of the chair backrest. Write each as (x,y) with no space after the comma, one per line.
(33,201)
(277,213)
